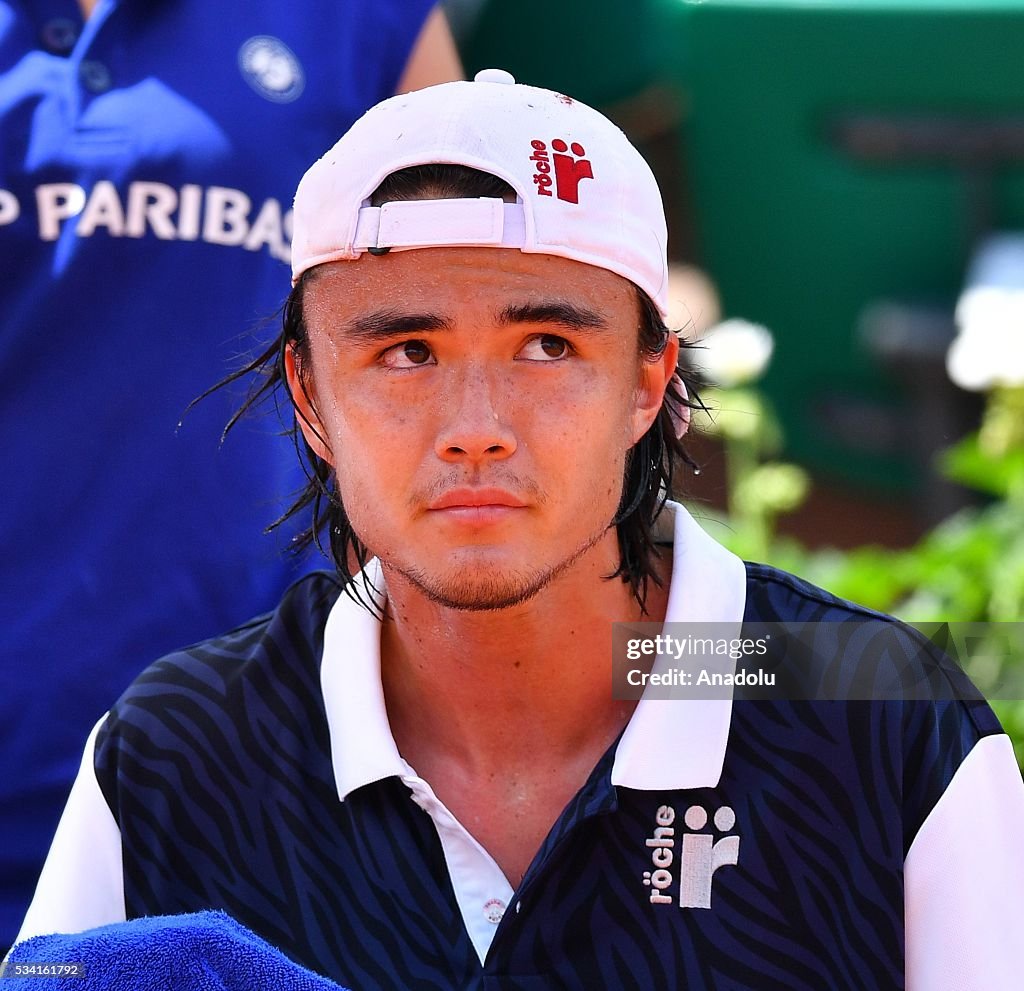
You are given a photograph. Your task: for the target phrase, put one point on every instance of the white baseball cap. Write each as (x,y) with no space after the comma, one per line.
(582,190)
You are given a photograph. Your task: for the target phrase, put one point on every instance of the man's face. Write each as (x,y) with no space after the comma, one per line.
(477,405)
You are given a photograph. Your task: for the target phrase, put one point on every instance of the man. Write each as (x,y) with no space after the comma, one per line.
(415,773)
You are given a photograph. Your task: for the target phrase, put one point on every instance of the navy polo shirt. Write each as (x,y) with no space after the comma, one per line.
(718,844)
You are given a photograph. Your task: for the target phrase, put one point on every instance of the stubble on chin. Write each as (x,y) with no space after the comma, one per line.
(488,590)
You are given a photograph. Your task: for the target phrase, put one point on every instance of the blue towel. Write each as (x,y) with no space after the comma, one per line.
(206,951)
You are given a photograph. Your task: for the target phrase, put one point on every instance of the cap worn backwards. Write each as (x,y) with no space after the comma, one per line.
(582,190)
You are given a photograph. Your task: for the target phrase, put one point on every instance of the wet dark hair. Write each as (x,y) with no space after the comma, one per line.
(650,466)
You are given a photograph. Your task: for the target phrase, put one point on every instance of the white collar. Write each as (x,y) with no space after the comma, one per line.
(668,744)
(680,743)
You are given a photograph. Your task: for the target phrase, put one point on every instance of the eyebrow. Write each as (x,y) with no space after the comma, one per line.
(556,312)
(392,323)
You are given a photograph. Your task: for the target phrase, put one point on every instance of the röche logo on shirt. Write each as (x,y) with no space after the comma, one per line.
(699,855)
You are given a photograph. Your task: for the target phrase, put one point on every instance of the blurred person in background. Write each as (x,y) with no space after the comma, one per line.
(148,153)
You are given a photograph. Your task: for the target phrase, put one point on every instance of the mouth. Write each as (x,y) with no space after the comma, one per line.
(477,505)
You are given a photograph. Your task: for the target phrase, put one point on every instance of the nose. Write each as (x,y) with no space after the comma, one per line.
(474,428)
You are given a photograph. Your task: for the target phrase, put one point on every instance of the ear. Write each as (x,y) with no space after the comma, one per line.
(654,379)
(304,401)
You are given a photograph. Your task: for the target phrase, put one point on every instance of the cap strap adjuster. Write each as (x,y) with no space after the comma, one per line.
(441,223)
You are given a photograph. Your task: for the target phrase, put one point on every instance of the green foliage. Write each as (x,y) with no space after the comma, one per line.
(970,464)
(759,489)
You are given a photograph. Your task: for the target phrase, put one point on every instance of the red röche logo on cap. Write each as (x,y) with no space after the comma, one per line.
(567,169)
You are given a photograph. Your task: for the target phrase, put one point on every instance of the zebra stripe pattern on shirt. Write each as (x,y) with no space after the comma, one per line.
(216,765)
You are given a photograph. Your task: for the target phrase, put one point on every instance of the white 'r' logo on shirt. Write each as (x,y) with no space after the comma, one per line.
(699,857)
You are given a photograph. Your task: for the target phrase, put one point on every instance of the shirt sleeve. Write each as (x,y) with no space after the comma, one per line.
(964,878)
(82,884)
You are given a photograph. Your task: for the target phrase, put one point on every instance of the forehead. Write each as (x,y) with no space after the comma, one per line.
(467,280)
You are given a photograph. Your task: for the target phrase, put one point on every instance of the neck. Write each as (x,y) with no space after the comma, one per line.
(490,690)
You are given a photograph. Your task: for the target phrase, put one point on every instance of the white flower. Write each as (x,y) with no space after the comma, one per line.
(734,353)
(989,347)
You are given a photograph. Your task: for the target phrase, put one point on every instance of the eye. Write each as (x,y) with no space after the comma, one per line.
(546,347)
(408,354)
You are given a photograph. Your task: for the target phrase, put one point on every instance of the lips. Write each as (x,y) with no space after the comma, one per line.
(477,498)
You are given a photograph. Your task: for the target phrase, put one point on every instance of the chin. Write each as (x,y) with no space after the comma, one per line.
(479,588)
(475,580)
(491,596)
